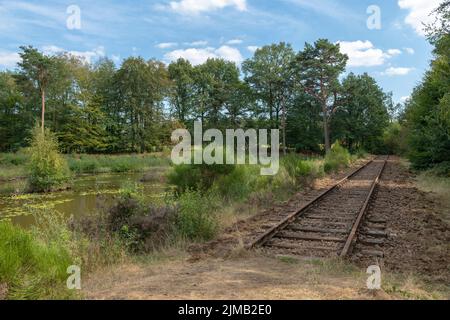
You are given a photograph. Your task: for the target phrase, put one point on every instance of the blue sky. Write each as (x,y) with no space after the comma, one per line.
(396,55)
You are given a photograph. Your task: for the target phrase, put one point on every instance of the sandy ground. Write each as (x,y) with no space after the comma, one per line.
(415,267)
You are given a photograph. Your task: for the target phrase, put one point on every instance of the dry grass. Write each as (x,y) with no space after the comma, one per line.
(440,187)
(248,276)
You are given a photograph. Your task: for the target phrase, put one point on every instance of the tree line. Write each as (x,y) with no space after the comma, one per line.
(425,123)
(100,108)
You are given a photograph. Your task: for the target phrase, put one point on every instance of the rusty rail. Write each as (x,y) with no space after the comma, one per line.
(261,240)
(362,212)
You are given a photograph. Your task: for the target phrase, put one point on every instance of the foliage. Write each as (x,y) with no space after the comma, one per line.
(99,108)
(47,168)
(269,75)
(427,116)
(198,176)
(118,164)
(30,268)
(318,68)
(337,158)
(300,170)
(394,139)
(240,183)
(196,220)
(362,116)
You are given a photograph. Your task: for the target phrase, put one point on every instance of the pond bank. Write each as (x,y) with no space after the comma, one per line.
(89,194)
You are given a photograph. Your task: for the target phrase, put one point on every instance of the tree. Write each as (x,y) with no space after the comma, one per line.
(13,115)
(140,87)
(181,73)
(37,68)
(317,69)
(362,115)
(269,74)
(215,82)
(427,115)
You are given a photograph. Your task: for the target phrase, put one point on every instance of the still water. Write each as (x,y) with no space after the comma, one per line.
(87,195)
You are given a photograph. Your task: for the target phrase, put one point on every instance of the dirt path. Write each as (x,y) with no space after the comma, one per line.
(415,266)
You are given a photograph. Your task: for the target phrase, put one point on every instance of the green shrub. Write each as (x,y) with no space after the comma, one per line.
(295,166)
(48,170)
(196,219)
(241,182)
(300,170)
(31,269)
(197,177)
(337,158)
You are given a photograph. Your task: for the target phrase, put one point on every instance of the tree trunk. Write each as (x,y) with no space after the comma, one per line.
(43,110)
(326,130)
(283,108)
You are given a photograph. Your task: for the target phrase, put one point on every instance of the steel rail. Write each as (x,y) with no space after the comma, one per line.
(362,212)
(261,240)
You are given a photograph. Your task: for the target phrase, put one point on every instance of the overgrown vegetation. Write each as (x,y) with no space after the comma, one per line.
(48,170)
(30,268)
(337,158)
(426,121)
(118,164)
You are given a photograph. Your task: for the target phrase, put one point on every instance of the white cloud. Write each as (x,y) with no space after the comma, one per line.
(166,45)
(235,41)
(88,56)
(198,56)
(229,53)
(419,13)
(9,59)
(363,54)
(198,6)
(394,52)
(392,72)
(410,50)
(252,49)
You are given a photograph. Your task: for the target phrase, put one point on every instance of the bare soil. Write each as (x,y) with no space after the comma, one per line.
(415,266)
(418,236)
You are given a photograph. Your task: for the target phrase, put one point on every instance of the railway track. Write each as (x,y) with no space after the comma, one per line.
(330,224)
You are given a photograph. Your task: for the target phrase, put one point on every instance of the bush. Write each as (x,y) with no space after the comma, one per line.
(30,269)
(48,170)
(337,158)
(185,177)
(196,220)
(300,170)
(296,167)
(198,177)
(241,182)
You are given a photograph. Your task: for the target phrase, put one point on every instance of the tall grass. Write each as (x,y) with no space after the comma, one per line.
(338,158)
(32,269)
(118,164)
(196,219)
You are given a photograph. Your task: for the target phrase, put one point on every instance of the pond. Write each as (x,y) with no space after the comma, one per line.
(87,195)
